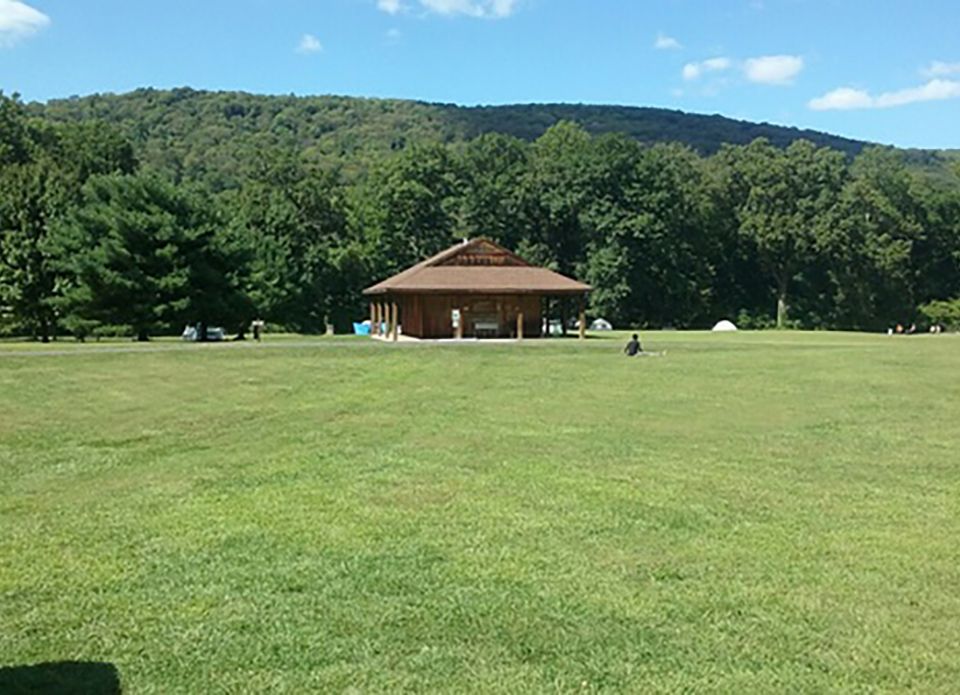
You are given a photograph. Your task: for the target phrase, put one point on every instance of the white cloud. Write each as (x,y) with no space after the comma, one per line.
(779,69)
(693,71)
(666,43)
(847,98)
(390,6)
(309,44)
(504,8)
(842,99)
(934,90)
(940,69)
(393,34)
(481,9)
(484,9)
(18,20)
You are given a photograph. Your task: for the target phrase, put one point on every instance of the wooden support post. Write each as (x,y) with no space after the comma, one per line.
(384,320)
(564,306)
(583,320)
(520,326)
(373,318)
(396,320)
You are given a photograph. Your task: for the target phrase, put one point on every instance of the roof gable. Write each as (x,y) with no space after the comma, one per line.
(482,252)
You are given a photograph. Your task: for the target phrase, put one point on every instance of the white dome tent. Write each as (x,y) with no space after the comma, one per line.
(601,325)
(724,327)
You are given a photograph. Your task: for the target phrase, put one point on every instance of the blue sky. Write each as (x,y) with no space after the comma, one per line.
(883,70)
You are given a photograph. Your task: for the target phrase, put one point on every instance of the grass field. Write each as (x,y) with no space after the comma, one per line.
(760,512)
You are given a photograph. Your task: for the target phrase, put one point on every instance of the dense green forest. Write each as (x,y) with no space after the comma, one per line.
(138,213)
(207,135)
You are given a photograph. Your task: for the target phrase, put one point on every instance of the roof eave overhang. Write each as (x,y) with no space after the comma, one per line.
(464,290)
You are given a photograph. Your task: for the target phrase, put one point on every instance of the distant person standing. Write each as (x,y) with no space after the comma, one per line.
(633,348)
(258,329)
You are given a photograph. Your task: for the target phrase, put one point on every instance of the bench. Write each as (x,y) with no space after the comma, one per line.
(485,328)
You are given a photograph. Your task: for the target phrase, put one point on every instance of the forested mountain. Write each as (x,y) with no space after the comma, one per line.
(135,214)
(209,135)
(704,133)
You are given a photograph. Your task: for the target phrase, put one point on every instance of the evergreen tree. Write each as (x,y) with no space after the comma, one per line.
(142,256)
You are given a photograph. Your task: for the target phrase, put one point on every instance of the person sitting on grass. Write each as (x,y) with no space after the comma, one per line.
(633,347)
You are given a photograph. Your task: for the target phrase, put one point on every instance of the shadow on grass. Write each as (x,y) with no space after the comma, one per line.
(62,678)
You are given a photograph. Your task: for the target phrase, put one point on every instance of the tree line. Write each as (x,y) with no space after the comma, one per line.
(94,241)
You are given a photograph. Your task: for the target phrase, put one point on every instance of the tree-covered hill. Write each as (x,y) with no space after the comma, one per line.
(209,135)
(704,133)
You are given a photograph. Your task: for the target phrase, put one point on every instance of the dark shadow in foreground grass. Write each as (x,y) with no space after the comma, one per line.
(62,678)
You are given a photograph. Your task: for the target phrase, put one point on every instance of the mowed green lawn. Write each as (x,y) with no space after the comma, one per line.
(764,512)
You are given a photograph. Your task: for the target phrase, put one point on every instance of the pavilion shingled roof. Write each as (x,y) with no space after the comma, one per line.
(441,274)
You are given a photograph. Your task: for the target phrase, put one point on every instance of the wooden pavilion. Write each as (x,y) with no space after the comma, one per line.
(476,289)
